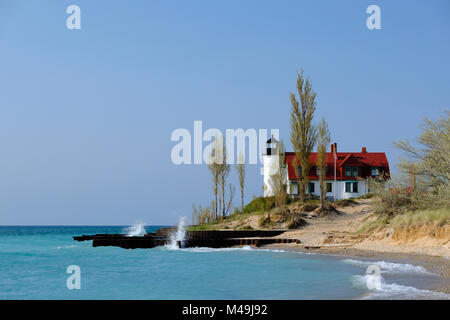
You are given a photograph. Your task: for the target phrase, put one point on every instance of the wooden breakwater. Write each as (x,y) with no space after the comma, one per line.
(207,238)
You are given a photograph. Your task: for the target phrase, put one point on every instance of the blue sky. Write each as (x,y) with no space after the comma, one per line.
(86,115)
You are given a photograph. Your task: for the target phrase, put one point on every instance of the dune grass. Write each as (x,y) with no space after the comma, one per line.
(437,217)
(428,217)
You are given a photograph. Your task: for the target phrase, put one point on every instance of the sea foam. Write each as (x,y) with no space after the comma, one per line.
(136,230)
(389,267)
(178,236)
(395,291)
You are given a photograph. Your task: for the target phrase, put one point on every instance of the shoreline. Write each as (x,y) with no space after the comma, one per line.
(437,265)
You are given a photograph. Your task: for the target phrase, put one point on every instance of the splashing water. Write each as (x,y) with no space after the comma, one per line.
(179,235)
(136,230)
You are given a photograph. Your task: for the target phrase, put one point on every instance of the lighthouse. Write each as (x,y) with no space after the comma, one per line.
(271,160)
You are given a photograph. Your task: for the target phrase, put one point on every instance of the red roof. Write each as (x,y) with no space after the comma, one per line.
(363,160)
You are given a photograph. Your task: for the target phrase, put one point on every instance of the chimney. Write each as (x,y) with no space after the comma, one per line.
(363,150)
(331,148)
(335,147)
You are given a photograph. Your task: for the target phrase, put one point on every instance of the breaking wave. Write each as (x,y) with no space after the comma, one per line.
(389,267)
(395,291)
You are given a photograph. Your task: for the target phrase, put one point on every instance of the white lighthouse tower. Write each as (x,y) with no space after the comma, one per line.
(271,164)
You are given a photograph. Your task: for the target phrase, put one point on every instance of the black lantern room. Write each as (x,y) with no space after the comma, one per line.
(272,146)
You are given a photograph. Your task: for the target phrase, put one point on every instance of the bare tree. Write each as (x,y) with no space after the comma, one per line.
(323,140)
(214,167)
(224,170)
(303,132)
(432,159)
(423,183)
(231,190)
(240,168)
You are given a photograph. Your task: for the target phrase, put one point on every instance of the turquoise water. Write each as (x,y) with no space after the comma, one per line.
(33,263)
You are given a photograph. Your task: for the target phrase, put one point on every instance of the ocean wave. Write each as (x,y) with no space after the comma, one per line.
(394,291)
(208,249)
(389,267)
(67,247)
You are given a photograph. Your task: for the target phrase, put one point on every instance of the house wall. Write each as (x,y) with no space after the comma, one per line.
(340,189)
(341,194)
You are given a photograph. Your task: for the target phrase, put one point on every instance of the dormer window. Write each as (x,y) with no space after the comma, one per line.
(318,171)
(375,171)
(351,171)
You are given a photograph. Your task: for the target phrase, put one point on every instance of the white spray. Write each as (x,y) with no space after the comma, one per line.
(179,235)
(136,230)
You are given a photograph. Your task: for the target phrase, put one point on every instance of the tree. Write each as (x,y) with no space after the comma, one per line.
(303,132)
(428,165)
(278,179)
(323,140)
(240,168)
(214,168)
(224,170)
(231,190)
(432,159)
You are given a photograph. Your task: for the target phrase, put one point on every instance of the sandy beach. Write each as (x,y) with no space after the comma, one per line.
(337,234)
(340,230)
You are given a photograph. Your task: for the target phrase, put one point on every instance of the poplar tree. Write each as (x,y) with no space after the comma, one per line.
(303,132)
(214,168)
(323,140)
(224,170)
(240,168)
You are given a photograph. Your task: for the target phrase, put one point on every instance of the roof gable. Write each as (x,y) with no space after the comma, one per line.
(351,160)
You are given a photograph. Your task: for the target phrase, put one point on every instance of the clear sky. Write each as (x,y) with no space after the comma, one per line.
(86,115)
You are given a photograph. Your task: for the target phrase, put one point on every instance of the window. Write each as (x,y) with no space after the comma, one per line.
(329,187)
(299,172)
(351,171)
(348,171)
(351,187)
(311,187)
(375,171)
(294,188)
(318,171)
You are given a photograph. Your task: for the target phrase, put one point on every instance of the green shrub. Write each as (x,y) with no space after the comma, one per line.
(259,204)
